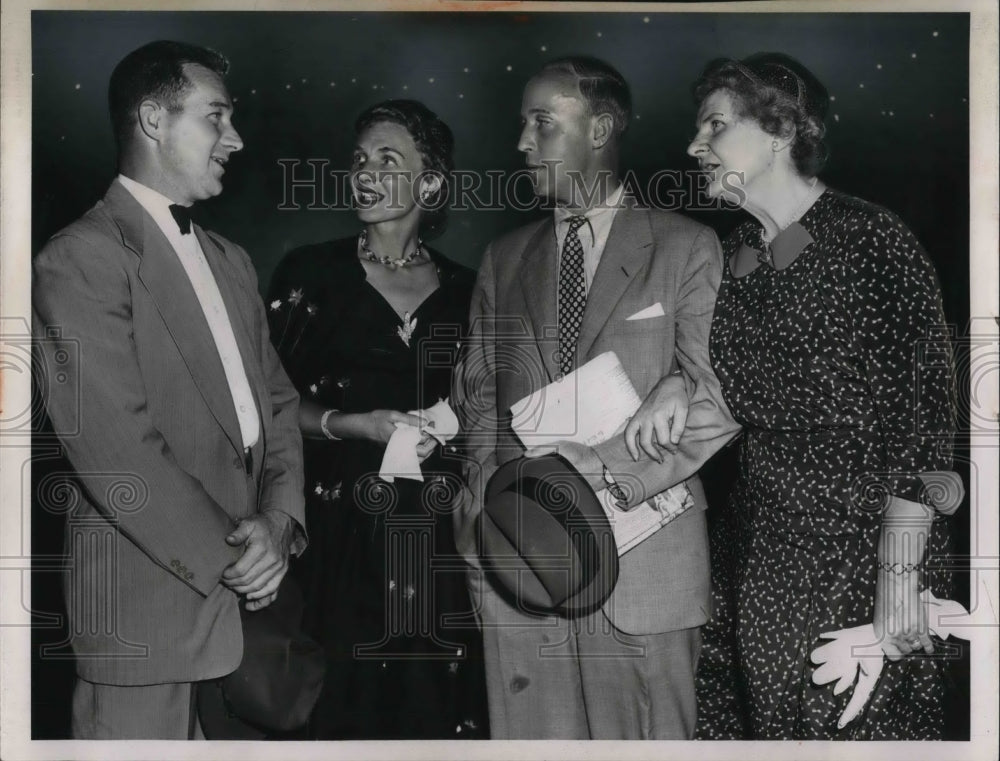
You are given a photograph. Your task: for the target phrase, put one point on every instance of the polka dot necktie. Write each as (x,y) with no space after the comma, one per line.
(572,294)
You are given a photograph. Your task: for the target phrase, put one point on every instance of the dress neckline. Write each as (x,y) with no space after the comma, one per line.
(400,318)
(786,247)
(362,273)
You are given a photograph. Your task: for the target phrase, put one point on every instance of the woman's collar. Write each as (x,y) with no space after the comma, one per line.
(778,254)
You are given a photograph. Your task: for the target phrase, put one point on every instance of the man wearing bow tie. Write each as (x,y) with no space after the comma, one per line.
(602,274)
(181,399)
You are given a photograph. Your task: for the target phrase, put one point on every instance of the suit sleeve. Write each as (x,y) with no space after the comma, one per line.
(709,423)
(82,321)
(475,395)
(283,479)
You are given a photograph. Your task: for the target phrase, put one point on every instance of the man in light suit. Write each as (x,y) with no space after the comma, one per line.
(648,280)
(182,404)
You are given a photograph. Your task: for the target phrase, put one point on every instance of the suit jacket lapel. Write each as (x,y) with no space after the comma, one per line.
(626,252)
(167,283)
(538,282)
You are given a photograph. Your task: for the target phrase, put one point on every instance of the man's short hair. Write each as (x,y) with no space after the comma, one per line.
(602,86)
(154,72)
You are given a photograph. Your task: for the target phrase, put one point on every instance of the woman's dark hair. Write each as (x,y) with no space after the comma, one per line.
(778,93)
(435,142)
(154,71)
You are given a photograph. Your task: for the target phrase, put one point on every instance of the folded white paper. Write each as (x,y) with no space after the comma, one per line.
(400,459)
(644,520)
(589,406)
(656,310)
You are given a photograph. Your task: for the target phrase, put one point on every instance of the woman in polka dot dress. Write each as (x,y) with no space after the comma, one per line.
(823,305)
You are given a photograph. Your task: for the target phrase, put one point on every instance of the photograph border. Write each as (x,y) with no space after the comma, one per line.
(15,316)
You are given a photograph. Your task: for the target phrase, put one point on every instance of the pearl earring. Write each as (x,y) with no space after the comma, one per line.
(774,145)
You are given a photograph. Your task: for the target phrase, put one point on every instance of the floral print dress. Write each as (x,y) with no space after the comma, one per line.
(384,585)
(822,358)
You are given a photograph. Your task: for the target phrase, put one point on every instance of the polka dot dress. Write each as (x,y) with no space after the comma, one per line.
(817,361)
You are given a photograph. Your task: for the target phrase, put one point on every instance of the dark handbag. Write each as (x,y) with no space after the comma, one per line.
(277,682)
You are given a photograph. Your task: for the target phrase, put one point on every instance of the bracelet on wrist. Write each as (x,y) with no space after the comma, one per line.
(322,425)
(898,569)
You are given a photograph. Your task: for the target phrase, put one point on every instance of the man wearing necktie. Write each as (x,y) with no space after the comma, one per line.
(182,402)
(602,274)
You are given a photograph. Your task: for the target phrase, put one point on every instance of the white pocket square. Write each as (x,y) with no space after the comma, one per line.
(644,314)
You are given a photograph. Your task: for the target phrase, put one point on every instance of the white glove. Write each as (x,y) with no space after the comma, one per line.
(850,653)
(856,653)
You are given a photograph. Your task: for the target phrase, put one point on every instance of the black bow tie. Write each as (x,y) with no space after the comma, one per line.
(182,216)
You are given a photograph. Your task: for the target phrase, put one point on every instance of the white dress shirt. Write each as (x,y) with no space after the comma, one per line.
(193,260)
(593,235)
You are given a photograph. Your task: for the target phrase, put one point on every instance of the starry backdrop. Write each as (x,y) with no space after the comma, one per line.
(898,120)
(898,125)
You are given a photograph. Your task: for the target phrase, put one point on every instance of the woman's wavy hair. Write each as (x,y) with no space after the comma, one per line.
(434,140)
(781,95)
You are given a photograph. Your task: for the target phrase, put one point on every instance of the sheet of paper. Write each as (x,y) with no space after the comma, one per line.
(589,406)
(400,459)
(631,527)
(442,423)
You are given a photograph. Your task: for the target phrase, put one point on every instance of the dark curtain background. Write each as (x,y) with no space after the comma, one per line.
(898,132)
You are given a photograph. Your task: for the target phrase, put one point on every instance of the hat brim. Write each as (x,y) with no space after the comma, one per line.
(217,719)
(547,543)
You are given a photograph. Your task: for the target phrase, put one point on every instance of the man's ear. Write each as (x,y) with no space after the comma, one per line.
(603,129)
(151,116)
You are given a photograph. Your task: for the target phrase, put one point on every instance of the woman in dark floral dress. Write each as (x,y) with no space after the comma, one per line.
(369,329)
(824,303)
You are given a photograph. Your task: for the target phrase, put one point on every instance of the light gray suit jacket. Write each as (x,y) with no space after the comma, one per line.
(148,425)
(650,257)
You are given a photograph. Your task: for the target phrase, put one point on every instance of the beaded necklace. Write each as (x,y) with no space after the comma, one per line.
(411,258)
